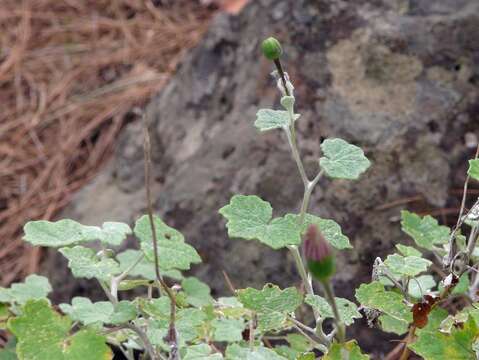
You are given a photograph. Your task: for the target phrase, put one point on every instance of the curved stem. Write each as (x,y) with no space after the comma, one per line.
(328,291)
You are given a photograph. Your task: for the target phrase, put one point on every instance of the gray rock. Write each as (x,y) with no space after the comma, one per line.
(398,78)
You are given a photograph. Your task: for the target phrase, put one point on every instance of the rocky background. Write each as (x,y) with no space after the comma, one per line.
(398,78)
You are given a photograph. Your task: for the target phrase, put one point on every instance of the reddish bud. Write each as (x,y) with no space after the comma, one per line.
(318,254)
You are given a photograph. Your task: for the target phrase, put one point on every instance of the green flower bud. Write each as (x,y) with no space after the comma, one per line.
(318,254)
(271,48)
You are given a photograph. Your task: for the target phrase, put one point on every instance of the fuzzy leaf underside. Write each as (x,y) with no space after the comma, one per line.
(67,232)
(33,288)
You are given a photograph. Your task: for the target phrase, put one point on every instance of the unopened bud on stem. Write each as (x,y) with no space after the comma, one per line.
(318,254)
(271,48)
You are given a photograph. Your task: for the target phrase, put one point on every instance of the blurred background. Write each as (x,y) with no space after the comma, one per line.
(400,78)
(71,73)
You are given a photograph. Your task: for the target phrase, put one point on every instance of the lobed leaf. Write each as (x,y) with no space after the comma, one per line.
(68,232)
(83,262)
(425,231)
(35,287)
(173,252)
(342,160)
(43,334)
(406,266)
(83,310)
(270,298)
(373,295)
(249,217)
(267,119)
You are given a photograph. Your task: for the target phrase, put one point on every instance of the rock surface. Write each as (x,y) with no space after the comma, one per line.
(398,78)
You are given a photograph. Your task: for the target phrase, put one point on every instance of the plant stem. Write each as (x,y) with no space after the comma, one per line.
(329,293)
(409,337)
(452,239)
(308,189)
(172,334)
(146,342)
(118,279)
(277,63)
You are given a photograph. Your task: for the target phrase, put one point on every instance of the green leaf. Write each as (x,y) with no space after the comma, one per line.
(270,298)
(420,285)
(113,233)
(349,350)
(229,330)
(267,119)
(393,325)
(407,266)
(299,342)
(237,352)
(201,352)
(83,262)
(342,160)
(44,334)
(83,310)
(145,268)
(197,292)
(408,250)
(330,230)
(68,232)
(473,170)
(434,345)
(461,287)
(173,252)
(35,287)
(271,303)
(124,311)
(426,232)
(249,218)
(59,233)
(374,296)
(348,311)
